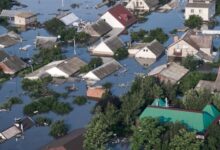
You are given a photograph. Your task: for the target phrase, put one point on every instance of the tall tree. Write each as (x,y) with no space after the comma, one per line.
(146,135)
(185,140)
(213,139)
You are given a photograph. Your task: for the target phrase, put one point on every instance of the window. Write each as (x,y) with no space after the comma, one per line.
(192,10)
(200,11)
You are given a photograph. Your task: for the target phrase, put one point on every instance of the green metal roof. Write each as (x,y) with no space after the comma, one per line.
(198,121)
(159,102)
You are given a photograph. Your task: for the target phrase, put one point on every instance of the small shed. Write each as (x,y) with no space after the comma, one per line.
(96,92)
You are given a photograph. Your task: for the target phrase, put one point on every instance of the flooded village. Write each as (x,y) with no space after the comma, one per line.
(109,74)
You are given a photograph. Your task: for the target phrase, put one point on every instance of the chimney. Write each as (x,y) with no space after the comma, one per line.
(166,102)
(175,38)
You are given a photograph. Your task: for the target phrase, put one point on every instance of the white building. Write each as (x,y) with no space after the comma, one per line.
(142,5)
(119,17)
(25,18)
(203,8)
(107,47)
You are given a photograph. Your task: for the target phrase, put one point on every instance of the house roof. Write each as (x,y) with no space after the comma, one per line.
(202,84)
(156,47)
(14,63)
(9,13)
(217,81)
(199,4)
(106,69)
(198,121)
(152,3)
(45,42)
(11,132)
(9,39)
(68,18)
(25,14)
(71,66)
(101,27)
(122,15)
(95,92)
(171,71)
(27,123)
(72,141)
(3,55)
(114,43)
(137,46)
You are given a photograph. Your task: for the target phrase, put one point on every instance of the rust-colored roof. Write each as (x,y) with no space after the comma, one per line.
(122,15)
(95,92)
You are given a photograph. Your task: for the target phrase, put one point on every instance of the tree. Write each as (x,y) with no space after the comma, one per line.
(146,135)
(157,34)
(58,129)
(191,63)
(194,21)
(80,100)
(213,139)
(121,53)
(196,100)
(96,135)
(43,121)
(94,62)
(185,140)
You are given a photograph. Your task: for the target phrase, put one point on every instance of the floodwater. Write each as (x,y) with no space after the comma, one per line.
(36,137)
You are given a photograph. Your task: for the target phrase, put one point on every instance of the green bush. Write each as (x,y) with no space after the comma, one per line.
(58,129)
(80,100)
(12,101)
(194,22)
(94,63)
(43,121)
(121,53)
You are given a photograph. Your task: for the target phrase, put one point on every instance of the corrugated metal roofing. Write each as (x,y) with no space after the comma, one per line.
(69,19)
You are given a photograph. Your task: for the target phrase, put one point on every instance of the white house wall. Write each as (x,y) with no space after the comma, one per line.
(55,72)
(91,76)
(112,21)
(102,49)
(138,5)
(145,53)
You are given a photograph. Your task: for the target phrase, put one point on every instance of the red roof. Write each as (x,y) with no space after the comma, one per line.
(122,15)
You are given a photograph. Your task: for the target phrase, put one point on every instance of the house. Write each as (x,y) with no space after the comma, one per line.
(103,71)
(9,14)
(98,28)
(69,19)
(171,72)
(107,47)
(10,64)
(142,5)
(95,92)
(9,39)
(25,18)
(72,141)
(197,121)
(62,68)
(152,50)
(44,42)
(119,17)
(203,8)
(213,86)
(191,43)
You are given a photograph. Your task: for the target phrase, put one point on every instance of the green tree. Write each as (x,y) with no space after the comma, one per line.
(185,140)
(147,134)
(58,129)
(80,100)
(191,63)
(94,62)
(194,22)
(121,53)
(213,139)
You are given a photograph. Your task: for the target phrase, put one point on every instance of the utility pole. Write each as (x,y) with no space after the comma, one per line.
(74,46)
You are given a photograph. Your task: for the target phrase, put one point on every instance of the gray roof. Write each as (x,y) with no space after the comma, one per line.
(217,81)
(156,47)
(199,4)
(114,43)
(9,39)
(3,55)
(106,69)
(152,3)
(71,66)
(71,141)
(209,85)
(101,27)
(9,13)
(15,63)
(204,56)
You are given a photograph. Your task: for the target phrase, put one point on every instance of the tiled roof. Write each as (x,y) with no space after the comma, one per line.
(156,47)
(122,15)
(15,63)
(114,43)
(3,55)
(101,27)
(25,14)
(95,92)
(198,121)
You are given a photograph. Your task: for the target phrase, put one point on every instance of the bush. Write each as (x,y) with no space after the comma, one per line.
(43,121)
(121,53)
(58,129)
(194,22)
(12,101)
(191,63)
(80,100)
(94,62)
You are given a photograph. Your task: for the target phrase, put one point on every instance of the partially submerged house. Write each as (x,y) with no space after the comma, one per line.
(213,86)
(103,71)
(9,39)
(142,5)
(203,8)
(191,43)
(197,121)
(25,18)
(171,72)
(62,68)
(98,28)
(69,19)
(119,17)
(72,141)
(96,92)
(106,47)
(152,50)
(10,64)
(45,42)
(9,14)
